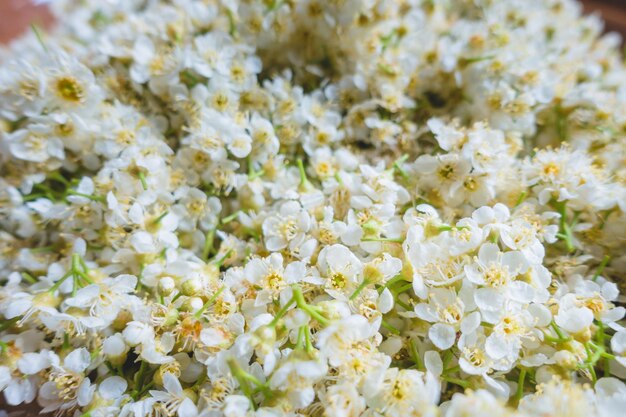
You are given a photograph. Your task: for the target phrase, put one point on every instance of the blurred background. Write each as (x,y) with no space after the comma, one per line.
(17,15)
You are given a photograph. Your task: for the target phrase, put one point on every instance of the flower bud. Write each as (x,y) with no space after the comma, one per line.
(192,304)
(265,339)
(191,287)
(166,286)
(115,349)
(171,317)
(191,394)
(46,299)
(167,368)
(266,334)
(565,359)
(122,319)
(372,274)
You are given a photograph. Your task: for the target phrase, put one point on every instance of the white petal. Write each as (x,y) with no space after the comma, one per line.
(187,409)
(496,347)
(385,301)
(442,335)
(172,384)
(488,253)
(113,387)
(574,320)
(85,392)
(488,299)
(471,322)
(77,361)
(433,362)
(32,363)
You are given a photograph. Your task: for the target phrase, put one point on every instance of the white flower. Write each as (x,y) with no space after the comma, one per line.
(68,386)
(446,309)
(334,340)
(343,400)
(106,299)
(571,317)
(195,208)
(296,379)
(32,145)
(405,391)
(618,346)
(288,228)
(367,206)
(112,388)
(174,398)
(514,328)
(571,399)
(341,268)
(481,402)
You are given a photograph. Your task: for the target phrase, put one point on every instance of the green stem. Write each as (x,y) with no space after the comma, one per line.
(552,339)
(600,270)
(98,198)
(360,288)
(60,281)
(242,377)
(395,279)
(9,323)
(403,288)
(559,332)
(565,232)
(390,328)
(210,301)
(307,340)
(397,165)
(37,33)
(592,372)
(310,310)
(138,379)
(231,217)
(56,176)
(303,179)
(44,249)
(255,174)
(456,381)
(78,269)
(142,178)
(28,277)
(161,216)
(176,297)
(403,304)
(208,244)
(281,313)
(219,262)
(600,337)
(520,384)
(300,340)
(415,355)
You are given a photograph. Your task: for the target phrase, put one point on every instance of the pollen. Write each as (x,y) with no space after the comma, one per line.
(496,275)
(69,89)
(338,280)
(551,169)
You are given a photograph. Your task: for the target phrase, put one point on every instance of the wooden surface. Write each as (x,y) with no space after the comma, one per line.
(612,11)
(16,16)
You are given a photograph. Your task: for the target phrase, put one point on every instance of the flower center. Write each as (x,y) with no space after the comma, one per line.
(70,89)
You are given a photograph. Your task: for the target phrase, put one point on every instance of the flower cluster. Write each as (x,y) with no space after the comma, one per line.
(347,208)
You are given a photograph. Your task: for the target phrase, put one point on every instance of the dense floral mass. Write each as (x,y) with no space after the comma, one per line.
(337,208)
